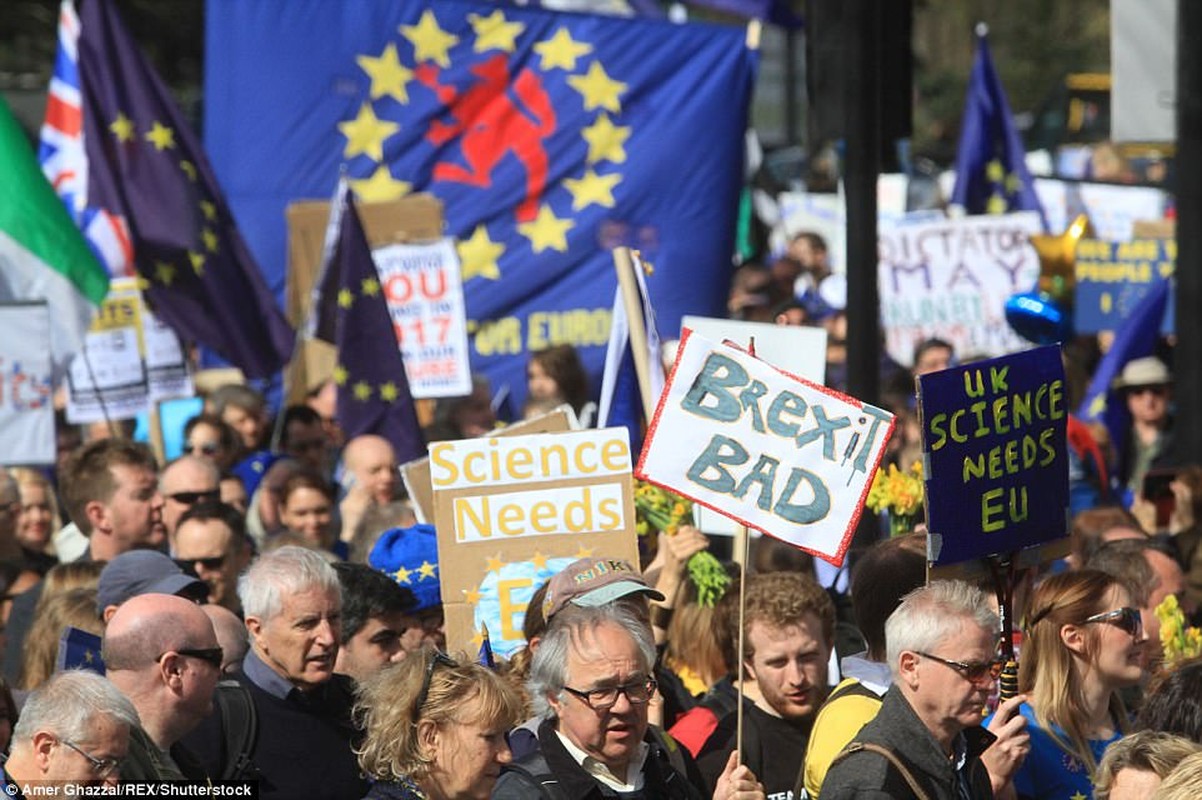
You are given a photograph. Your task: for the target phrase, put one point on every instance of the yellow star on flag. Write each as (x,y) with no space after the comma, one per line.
(994,171)
(362,391)
(479,254)
(561,50)
(210,240)
(346,298)
(495,563)
(209,209)
(380,187)
(427,570)
(1098,405)
(389,392)
(198,262)
(366,133)
(606,141)
(996,204)
(430,42)
(164,272)
(369,287)
(340,375)
(471,596)
(592,189)
(388,77)
(1077,796)
(88,656)
(494,32)
(189,169)
(162,137)
(598,89)
(402,575)
(122,127)
(539,560)
(547,231)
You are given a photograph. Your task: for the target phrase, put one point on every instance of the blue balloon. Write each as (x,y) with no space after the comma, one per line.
(1038,318)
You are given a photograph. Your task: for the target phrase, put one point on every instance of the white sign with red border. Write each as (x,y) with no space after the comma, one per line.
(771,450)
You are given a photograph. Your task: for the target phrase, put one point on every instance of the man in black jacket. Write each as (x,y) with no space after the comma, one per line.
(927,739)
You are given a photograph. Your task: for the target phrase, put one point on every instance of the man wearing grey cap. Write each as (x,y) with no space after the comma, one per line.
(593,582)
(143,572)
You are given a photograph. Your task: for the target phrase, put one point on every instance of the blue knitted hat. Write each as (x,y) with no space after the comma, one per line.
(410,557)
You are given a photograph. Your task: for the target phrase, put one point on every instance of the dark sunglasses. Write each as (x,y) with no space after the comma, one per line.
(192,498)
(974,671)
(210,655)
(1127,619)
(211,564)
(437,658)
(208,448)
(1156,389)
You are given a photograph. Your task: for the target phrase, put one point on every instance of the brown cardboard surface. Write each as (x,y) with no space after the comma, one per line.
(1154,229)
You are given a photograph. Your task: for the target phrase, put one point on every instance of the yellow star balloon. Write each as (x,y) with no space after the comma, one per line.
(1058,260)
(430,42)
(561,50)
(606,141)
(547,231)
(598,89)
(366,133)
(494,32)
(388,77)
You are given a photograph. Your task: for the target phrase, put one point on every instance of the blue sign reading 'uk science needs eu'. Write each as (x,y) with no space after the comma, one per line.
(994,439)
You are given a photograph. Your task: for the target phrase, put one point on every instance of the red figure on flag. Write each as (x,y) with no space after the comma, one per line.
(493,123)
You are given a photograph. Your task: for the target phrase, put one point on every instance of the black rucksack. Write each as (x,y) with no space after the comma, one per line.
(239,730)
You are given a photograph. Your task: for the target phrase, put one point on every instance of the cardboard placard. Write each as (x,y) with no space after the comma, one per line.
(511,511)
(1113,277)
(774,451)
(995,455)
(416,474)
(26,385)
(797,349)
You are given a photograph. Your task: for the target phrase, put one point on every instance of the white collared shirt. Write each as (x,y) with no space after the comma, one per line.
(634,770)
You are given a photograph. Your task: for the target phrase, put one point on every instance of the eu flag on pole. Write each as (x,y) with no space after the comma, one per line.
(146,168)
(373,392)
(549,138)
(991,167)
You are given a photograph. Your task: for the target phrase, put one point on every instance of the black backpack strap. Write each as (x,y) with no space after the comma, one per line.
(239,729)
(534,767)
(888,755)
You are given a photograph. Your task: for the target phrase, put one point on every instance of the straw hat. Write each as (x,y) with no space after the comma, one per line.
(1149,371)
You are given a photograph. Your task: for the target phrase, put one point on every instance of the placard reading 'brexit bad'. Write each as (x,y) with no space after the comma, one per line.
(771,450)
(994,442)
(510,511)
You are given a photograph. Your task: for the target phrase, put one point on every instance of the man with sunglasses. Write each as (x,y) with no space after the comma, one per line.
(184,482)
(161,652)
(73,731)
(927,737)
(211,538)
(591,680)
(1147,389)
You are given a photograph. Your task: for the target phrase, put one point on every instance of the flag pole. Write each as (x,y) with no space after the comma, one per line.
(624,266)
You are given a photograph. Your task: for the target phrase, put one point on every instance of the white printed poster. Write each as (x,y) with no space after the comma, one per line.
(26,388)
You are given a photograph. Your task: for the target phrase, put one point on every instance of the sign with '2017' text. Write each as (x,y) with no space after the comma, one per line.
(771,450)
(994,440)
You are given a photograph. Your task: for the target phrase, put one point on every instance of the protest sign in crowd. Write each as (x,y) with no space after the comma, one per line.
(478,519)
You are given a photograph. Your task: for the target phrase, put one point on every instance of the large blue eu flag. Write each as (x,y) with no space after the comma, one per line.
(550,138)
(146,169)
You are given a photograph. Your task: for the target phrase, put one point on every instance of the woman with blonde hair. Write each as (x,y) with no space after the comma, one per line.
(434,727)
(1084,642)
(74,608)
(38,519)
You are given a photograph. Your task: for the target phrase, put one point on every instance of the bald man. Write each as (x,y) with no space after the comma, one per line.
(184,482)
(371,479)
(161,652)
(231,635)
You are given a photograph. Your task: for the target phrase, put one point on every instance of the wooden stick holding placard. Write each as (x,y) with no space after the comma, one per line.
(624,265)
(742,556)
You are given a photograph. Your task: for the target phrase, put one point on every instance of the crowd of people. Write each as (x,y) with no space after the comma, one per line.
(253,624)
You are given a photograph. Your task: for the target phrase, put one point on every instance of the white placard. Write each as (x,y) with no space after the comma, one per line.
(26,387)
(771,450)
(424,291)
(799,349)
(951,279)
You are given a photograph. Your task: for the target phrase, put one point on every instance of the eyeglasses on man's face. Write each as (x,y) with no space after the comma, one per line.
(101,767)
(603,698)
(192,498)
(210,655)
(204,448)
(974,671)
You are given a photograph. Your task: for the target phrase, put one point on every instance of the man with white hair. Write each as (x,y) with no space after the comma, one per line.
(73,730)
(927,738)
(292,603)
(162,653)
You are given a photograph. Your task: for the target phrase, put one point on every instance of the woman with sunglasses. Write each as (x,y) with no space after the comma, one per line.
(1084,642)
(435,728)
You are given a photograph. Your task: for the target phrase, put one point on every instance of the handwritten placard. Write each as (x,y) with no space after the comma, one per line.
(26,407)
(775,452)
(996,465)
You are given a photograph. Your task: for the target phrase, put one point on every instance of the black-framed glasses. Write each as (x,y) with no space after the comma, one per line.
(102,767)
(211,655)
(212,564)
(1125,618)
(206,448)
(974,671)
(192,498)
(437,658)
(603,699)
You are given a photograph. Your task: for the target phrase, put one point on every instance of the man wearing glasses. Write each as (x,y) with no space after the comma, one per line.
(73,730)
(927,738)
(184,482)
(211,537)
(591,679)
(161,652)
